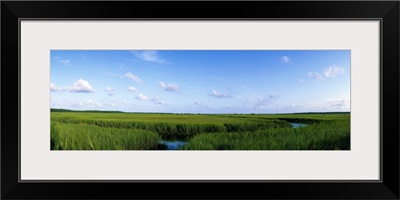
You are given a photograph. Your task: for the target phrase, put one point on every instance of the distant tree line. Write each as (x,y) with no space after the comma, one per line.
(96,111)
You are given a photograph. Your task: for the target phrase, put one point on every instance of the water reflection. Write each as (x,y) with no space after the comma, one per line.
(173,145)
(296,125)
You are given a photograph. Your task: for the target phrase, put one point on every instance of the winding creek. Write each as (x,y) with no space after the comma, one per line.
(296,125)
(175,144)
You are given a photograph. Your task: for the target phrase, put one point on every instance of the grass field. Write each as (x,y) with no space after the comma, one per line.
(146,131)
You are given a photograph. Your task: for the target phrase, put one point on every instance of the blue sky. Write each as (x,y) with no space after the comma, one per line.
(201,81)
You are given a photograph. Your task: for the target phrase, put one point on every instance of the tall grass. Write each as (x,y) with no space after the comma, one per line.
(330,135)
(66,136)
(176,127)
(140,131)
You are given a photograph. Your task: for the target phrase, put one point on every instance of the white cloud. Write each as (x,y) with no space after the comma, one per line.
(266,101)
(158,100)
(200,107)
(286,59)
(65,62)
(330,72)
(89,104)
(133,77)
(141,97)
(169,87)
(110,91)
(81,86)
(132,89)
(339,105)
(54,88)
(217,94)
(150,56)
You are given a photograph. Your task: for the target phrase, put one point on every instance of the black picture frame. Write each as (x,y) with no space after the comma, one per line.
(386,11)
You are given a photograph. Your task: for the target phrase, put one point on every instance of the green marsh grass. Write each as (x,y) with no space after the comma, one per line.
(143,131)
(170,123)
(330,135)
(66,136)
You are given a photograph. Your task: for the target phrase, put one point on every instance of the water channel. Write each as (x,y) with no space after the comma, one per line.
(176,143)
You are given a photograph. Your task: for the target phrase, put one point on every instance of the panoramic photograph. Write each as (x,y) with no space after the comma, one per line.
(199,100)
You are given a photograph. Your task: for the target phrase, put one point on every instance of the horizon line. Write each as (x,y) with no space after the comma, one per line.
(115,111)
